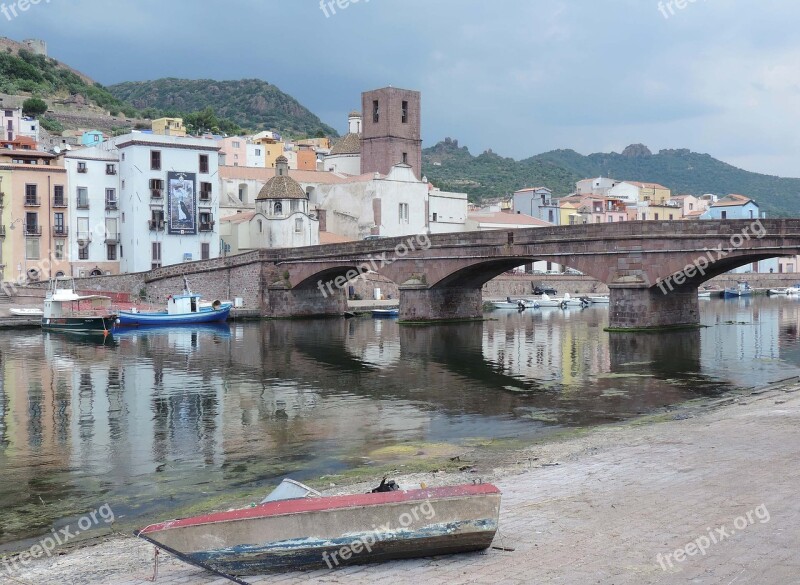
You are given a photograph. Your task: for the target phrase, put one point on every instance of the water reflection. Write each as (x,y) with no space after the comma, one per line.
(156,419)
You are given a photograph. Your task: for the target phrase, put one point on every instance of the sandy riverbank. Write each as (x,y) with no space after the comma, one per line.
(595,508)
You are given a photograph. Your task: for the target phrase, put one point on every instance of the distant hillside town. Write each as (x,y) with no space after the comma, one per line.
(86,204)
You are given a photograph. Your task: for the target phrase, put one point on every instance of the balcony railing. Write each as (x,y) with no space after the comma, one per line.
(206,226)
(84,237)
(205,195)
(82,204)
(112,238)
(59,202)
(60,231)
(83,170)
(111,205)
(111,171)
(155,193)
(155,225)
(31,201)
(32,230)
(2,231)
(2,198)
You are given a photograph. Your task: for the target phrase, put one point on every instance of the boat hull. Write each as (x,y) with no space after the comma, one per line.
(385,313)
(313,532)
(139,319)
(93,325)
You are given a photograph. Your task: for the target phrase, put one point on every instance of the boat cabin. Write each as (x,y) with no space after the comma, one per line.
(183,304)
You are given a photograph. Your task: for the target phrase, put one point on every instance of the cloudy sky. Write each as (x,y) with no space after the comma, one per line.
(517,76)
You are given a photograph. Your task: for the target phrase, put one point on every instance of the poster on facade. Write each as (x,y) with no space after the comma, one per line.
(181,204)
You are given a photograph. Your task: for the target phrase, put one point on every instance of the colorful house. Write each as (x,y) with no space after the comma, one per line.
(733,207)
(169,127)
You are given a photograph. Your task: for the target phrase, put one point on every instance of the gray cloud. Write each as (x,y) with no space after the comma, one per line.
(517,76)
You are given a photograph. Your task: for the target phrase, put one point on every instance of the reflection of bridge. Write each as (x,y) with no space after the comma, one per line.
(443,281)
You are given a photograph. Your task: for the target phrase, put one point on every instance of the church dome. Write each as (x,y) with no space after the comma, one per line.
(282,186)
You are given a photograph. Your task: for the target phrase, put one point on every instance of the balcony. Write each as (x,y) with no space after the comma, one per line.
(155,193)
(32,201)
(83,170)
(205,195)
(2,231)
(112,238)
(111,171)
(59,202)
(84,238)
(155,225)
(60,231)
(32,230)
(2,198)
(111,206)
(206,226)
(82,204)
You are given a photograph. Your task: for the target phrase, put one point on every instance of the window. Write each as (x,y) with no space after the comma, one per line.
(691,207)
(205,251)
(31,195)
(123,156)
(112,233)
(724,215)
(205,191)
(32,249)
(58,250)
(111,169)
(59,229)
(206,221)
(156,218)
(82,167)
(435,217)
(156,188)
(656,217)
(404,117)
(236,144)
(376,112)
(83,228)
(111,251)
(58,196)
(405,158)
(156,255)
(610,218)
(294,205)
(111,198)
(32,224)
(298,225)
(260,226)
(258,152)
(155,160)
(241,193)
(278,208)
(83,251)
(404,213)
(550,216)
(204,163)
(671,216)
(83,198)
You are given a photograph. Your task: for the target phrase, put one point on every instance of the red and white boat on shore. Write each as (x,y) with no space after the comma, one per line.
(329,532)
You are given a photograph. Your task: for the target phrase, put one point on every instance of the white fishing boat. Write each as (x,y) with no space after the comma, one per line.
(570,301)
(778,291)
(515,304)
(546,301)
(26,312)
(704,294)
(599,300)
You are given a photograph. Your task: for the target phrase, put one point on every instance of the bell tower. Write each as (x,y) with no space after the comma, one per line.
(391,131)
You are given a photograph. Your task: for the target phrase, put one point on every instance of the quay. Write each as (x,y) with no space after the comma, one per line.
(623,505)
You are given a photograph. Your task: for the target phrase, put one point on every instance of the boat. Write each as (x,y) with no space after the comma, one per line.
(65,310)
(385,313)
(299,529)
(599,300)
(569,301)
(516,304)
(546,301)
(704,294)
(793,290)
(778,291)
(26,312)
(183,309)
(742,289)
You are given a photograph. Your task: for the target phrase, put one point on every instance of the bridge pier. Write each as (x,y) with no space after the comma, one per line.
(645,307)
(440,304)
(284,303)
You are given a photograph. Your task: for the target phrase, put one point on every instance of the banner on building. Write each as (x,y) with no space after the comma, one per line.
(181,204)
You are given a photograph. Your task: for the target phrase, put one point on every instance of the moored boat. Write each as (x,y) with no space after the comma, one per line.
(778,291)
(385,313)
(546,301)
(742,289)
(26,312)
(515,304)
(327,532)
(65,310)
(704,294)
(183,309)
(599,300)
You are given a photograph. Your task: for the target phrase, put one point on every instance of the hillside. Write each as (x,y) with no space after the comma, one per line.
(251,103)
(683,171)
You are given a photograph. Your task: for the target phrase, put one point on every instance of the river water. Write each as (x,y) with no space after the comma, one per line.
(150,422)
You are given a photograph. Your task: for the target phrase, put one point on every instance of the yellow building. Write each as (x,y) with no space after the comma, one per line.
(169,127)
(568,214)
(653,193)
(6,197)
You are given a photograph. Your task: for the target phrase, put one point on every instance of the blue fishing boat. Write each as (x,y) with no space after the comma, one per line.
(742,290)
(183,309)
(385,313)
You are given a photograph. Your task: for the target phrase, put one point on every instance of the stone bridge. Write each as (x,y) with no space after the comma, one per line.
(653,268)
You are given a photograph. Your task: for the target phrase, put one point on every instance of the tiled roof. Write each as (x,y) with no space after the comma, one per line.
(532,189)
(646,185)
(350,144)
(238,217)
(732,200)
(282,187)
(263,174)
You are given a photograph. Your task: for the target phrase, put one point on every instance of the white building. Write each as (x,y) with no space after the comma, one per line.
(92,207)
(168,200)
(596,186)
(447,212)
(12,119)
(255,156)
